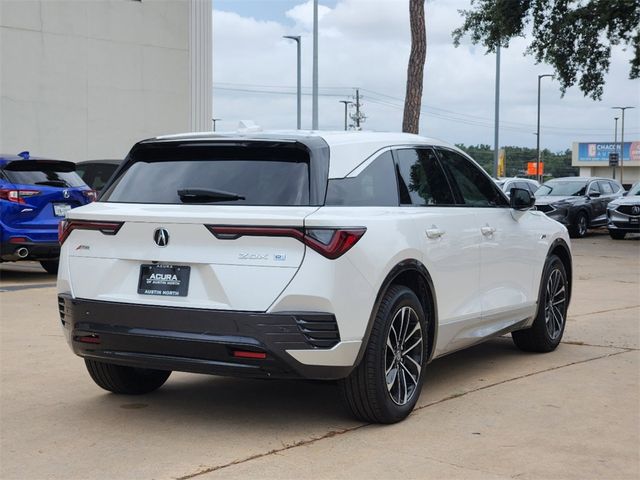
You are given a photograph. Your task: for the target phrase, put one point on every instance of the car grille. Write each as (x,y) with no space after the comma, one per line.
(628,210)
(544,208)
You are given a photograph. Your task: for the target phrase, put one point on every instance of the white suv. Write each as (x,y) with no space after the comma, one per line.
(351,256)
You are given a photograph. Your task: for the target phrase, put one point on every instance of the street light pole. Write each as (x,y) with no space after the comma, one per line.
(214,120)
(298,41)
(622,140)
(496,127)
(538,176)
(615,143)
(346,105)
(314,93)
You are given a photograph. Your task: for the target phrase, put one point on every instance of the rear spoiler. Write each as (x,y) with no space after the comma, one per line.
(40,165)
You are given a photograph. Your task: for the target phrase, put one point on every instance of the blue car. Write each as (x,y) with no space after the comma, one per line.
(35,194)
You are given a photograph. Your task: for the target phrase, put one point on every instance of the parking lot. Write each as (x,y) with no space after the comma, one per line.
(488,412)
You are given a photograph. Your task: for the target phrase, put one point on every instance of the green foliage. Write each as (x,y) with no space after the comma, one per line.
(556,164)
(574,37)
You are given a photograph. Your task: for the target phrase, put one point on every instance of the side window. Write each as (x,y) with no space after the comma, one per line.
(475,188)
(375,186)
(615,188)
(605,188)
(421,180)
(593,188)
(532,187)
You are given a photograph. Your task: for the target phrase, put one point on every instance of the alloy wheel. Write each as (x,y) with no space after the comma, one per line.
(555,304)
(582,225)
(404,355)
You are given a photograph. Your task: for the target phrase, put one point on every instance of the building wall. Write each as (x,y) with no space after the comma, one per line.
(87,79)
(593,160)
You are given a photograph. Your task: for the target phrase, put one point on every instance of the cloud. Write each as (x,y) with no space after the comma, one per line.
(366,43)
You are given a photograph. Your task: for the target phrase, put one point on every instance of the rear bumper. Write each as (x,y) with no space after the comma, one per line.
(200,340)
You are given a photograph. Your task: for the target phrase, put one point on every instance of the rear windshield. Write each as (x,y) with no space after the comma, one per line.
(237,175)
(96,175)
(49,178)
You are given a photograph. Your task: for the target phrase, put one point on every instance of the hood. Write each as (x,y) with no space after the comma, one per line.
(632,200)
(553,199)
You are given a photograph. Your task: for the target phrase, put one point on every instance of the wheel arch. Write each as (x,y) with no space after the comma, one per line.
(412,274)
(560,248)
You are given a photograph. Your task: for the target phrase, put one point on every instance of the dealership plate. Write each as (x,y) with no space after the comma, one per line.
(164,280)
(59,209)
(634,220)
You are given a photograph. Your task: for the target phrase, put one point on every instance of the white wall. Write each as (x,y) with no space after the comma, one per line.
(87,79)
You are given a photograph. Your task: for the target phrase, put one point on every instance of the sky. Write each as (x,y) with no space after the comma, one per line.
(365,44)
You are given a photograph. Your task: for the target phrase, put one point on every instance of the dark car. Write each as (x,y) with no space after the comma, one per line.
(579,203)
(96,173)
(623,214)
(35,194)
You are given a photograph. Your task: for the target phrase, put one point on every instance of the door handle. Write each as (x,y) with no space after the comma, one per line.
(434,232)
(487,231)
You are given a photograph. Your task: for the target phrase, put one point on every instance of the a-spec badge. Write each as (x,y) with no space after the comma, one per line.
(161,237)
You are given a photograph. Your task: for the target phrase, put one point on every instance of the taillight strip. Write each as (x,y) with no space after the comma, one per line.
(65,227)
(342,238)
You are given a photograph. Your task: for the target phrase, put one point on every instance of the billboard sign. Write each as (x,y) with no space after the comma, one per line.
(598,153)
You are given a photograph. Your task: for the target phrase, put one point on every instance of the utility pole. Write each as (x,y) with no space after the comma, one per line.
(496,132)
(214,120)
(615,143)
(346,106)
(314,105)
(358,117)
(538,176)
(298,41)
(622,140)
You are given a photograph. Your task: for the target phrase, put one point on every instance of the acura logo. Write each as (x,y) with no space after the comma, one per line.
(66,194)
(635,210)
(161,237)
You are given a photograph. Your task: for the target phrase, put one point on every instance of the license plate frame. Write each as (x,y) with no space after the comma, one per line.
(60,209)
(634,221)
(164,280)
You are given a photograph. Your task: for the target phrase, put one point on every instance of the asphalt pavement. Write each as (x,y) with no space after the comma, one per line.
(487,412)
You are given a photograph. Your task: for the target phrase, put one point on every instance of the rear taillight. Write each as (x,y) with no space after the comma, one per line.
(65,227)
(17,196)
(90,195)
(328,242)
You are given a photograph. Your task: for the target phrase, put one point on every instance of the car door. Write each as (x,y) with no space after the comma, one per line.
(598,204)
(450,241)
(606,194)
(508,245)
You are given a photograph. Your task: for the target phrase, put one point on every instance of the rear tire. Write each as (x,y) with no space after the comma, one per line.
(385,386)
(125,380)
(580,225)
(617,235)
(548,327)
(51,266)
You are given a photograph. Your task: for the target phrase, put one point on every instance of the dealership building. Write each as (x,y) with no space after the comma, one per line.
(87,79)
(593,160)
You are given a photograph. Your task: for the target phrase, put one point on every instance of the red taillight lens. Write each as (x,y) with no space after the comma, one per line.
(17,196)
(332,243)
(90,195)
(247,354)
(65,227)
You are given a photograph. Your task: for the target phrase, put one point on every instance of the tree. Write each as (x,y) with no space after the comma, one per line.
(574,37)
(415,71)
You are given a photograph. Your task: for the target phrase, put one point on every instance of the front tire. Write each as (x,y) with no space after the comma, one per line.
(385,386)
(548,327)
(125,380)
(51,266)
(617,235)
(580,226)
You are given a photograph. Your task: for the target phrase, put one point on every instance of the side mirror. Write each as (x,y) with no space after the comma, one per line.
(594,194)
(521,199)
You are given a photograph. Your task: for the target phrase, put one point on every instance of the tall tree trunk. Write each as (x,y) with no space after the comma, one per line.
(415,71)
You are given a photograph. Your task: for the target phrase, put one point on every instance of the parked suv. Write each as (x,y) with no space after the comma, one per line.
(34,196)
(579,203)
(623,214)
(506,184)
(352,256)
